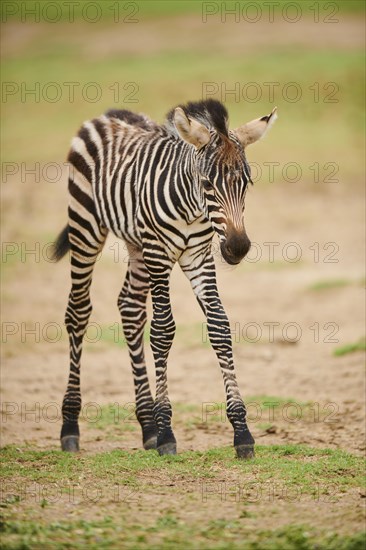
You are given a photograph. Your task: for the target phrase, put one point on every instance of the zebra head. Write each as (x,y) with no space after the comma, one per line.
(222,171)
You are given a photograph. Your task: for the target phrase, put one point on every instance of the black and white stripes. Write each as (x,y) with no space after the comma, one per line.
(165,190)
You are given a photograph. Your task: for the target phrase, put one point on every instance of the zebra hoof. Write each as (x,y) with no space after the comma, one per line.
(245,451)
(151,443)
(70,443)
(167,449)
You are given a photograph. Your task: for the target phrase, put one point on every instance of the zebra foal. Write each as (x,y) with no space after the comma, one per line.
(165,190)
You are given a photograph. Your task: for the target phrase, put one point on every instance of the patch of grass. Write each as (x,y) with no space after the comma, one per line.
(101,11)
(121,481)
(262,411)
(256,405)
(277,408)
(264,425)
(58,535)
(273,402)
(114,419)
(170,533)
(140,10)
(360,345)
(290,463)
(329,284)
(191,408)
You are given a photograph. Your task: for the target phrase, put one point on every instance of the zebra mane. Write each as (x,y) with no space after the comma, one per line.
(210,112)
(134,119)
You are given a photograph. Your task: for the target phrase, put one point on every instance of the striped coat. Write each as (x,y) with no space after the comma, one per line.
(165,190)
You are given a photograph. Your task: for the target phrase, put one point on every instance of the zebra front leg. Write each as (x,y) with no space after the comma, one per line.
(161,337)
(203,281)
(83,256)
(132,306)
(220,337)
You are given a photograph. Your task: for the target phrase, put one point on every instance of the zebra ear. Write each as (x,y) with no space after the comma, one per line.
(191,130)
(256,129)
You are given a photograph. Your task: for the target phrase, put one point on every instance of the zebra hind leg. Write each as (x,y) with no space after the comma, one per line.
(132,306)
(161,337)
(85,246)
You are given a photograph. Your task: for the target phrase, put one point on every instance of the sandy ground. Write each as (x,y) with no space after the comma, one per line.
(291,331)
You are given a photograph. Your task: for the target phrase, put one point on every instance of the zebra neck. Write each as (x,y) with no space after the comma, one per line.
(183,186)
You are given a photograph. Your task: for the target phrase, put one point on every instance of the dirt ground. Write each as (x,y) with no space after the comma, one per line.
(291,331)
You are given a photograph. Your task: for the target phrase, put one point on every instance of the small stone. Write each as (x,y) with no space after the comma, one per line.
(271,430)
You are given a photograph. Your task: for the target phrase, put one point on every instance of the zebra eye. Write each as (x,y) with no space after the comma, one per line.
(207,185)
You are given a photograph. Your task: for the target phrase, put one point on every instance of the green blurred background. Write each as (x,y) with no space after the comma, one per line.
(168,54)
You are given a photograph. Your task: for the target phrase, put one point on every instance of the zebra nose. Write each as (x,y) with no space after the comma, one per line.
(235,247)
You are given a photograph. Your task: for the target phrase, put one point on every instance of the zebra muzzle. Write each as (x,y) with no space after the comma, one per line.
(235,247)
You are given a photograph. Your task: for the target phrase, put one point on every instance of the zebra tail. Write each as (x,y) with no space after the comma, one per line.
(62,245)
